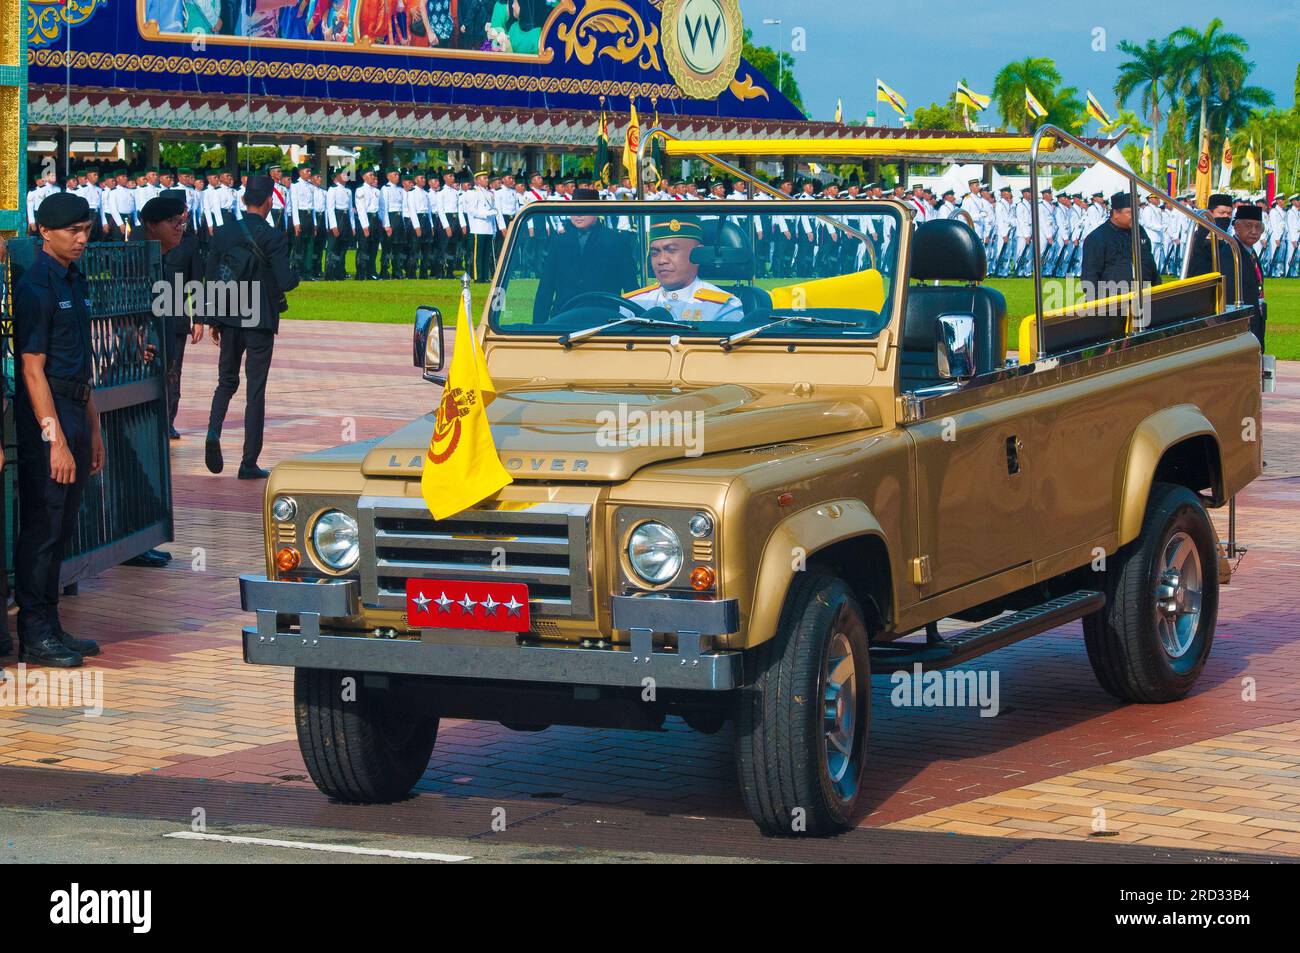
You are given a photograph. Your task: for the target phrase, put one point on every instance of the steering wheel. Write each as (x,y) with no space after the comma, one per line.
(589,298)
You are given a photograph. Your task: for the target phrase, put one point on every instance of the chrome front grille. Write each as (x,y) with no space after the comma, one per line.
(545,545)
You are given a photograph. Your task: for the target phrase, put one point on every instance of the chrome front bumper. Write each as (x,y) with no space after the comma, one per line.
(485,655)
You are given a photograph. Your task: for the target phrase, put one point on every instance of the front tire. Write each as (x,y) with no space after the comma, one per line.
(362,744)
(1153,638)
(802,723)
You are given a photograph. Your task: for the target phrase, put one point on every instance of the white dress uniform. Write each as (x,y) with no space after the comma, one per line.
(143,193)
(338,208)
(1152,220)
(698,301)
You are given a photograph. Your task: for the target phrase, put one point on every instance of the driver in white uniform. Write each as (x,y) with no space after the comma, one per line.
(679,289)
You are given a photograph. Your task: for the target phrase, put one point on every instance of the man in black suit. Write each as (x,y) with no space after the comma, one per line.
(251,258)
(1246,227)
(587,256)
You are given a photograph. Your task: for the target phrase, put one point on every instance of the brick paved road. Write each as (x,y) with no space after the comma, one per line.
(1214,771)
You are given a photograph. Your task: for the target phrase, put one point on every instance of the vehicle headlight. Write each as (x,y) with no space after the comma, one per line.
(335,539)
(654,552)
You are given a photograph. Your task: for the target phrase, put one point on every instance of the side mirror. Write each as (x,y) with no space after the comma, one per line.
(955,346)
(428,346)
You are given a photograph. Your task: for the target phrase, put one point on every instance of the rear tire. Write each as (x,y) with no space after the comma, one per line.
(802,722)
(363,745)
(1153,638)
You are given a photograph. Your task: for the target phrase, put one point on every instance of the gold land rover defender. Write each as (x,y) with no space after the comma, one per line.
(746,468)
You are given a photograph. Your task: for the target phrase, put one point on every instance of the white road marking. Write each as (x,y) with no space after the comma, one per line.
(307,845)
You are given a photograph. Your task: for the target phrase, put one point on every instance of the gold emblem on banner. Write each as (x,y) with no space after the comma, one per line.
(607,28)
(702,42)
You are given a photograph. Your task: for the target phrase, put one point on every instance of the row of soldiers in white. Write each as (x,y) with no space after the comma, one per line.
(1001,223)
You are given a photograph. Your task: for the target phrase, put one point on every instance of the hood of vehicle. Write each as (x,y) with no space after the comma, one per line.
(607,433)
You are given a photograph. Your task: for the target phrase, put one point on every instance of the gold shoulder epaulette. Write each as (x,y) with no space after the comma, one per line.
(708,294)
(641,291)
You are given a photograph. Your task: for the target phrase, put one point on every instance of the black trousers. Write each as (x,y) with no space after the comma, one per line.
(335,267)
(367,245)
(254,348)
(421,264)
(320,250)
(782,256)
(303,242)
(455,249)
(47,514)
(482,257)
(392,248)
(175,361)
(438,250)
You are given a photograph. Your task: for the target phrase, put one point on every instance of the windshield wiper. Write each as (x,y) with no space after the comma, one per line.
(568,340)
(741,337)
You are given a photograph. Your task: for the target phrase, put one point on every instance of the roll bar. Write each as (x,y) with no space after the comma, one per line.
(1057,135)
(739,173)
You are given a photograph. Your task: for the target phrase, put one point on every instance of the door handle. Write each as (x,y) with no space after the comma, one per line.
(1014,446)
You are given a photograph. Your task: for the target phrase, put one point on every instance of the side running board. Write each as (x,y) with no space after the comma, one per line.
(994,634)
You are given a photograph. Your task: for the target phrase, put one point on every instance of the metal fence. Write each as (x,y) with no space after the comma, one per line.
(127,508)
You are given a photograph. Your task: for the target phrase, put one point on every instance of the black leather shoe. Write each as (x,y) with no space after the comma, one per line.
(49,651)
(83,647)
(253,473)
(173,434)
(212,456)
(152,558)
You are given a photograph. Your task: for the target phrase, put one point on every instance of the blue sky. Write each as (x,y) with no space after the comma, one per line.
(923,48)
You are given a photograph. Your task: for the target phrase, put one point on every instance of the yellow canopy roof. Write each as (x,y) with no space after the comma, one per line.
(920,147)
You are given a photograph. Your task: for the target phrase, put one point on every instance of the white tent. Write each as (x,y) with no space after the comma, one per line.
(1100,178)
(957,178)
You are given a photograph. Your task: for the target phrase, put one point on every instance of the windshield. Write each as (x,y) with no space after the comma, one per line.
(706,269)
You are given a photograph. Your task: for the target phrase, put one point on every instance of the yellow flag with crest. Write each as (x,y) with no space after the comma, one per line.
(461,466)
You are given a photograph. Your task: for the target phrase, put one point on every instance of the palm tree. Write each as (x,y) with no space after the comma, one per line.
(1150,70)
(1235,112)
(1209,65)
(1039,73)
(1065,109)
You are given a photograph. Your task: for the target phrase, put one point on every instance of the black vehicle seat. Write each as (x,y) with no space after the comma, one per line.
(948,250)
(726,258)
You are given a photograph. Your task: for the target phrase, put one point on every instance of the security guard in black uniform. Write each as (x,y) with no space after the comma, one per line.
(59,442)
(1108,251)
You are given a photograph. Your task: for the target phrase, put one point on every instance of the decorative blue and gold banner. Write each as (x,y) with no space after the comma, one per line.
(531,54)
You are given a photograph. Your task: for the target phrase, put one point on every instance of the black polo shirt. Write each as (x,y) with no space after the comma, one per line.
(52,317)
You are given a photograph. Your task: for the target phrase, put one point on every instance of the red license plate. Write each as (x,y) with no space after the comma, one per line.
(459,604)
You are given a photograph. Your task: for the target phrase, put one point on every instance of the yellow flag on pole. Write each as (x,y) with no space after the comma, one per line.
(887,94)
(968,97)
(1203,170)
(1225,163)
(631,143)
(1033,106)
(839,110)
(1252,164)
(461,466)
(1146,155)
(1096,111)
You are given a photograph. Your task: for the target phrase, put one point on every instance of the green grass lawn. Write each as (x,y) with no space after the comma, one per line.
(394,302)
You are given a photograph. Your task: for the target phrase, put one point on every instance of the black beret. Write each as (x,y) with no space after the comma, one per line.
(162,207)
(1218,199)
(1250,213)
(1120,200)
(61,209)
(1005,188)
